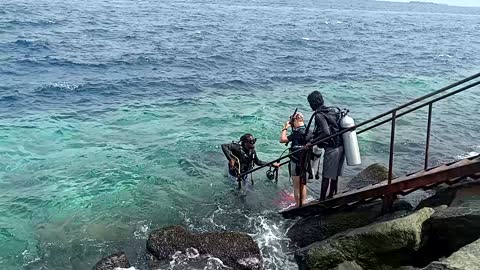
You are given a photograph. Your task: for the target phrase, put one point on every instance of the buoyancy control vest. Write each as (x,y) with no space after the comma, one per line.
(298,141)
(332,115)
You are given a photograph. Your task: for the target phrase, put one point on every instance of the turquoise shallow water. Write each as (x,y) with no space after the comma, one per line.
(112,113)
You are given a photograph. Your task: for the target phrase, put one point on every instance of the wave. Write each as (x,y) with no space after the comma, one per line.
(54,61)
(445,55)
(35,45)
(9,98)
(266,228)
(67,89)
(56,88)
(25,42)
(475,152)
(270,237)
(139,60)
(31,23)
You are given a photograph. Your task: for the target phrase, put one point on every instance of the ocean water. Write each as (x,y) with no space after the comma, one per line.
(112,112)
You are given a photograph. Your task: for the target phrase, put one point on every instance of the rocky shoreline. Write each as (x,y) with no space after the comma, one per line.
(441,232)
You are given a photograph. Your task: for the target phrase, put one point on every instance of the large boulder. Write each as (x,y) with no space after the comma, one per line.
(450,229)
(370,246)
(466,258)
(117,260)
(235,250)
(467,190)
(373,174)
(317,228)
(348,266)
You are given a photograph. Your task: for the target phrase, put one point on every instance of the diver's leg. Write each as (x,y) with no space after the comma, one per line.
(333,187)
(296,189)
(323,190)
(303,190)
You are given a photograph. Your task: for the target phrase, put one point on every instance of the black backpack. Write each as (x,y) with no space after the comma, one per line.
(333,115)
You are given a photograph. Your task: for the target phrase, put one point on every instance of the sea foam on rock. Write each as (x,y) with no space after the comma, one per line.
(235,250)
(112,262)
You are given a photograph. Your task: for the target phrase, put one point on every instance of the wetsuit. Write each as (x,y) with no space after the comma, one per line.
(298,140)
(326,117)
(247,158)
(334,156)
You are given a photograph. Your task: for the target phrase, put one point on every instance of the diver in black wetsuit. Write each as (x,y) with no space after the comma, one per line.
(243,153)
(326,124)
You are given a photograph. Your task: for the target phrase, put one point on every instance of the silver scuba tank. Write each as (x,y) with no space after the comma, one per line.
(350,142)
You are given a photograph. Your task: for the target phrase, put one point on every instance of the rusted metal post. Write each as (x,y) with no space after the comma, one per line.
(387,204)
(429,125)
(392,144)
(388,197)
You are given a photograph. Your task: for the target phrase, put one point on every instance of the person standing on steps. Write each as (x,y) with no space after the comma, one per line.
(326,124)
(298,139)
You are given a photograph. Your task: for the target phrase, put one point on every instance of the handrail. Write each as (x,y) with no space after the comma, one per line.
(421,106)
(394,116)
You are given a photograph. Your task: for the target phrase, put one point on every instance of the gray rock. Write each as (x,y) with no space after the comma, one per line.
(466,258)
(452,228)
(373,174)
(348,266)
(371,245)
(117,260)
(235,250)
(446,195)
(317,228)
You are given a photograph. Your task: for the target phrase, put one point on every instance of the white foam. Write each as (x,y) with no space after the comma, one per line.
(215,263)
(65,85)
(142,232)
(249,261)
(469,154)
(270,237)
(192,253)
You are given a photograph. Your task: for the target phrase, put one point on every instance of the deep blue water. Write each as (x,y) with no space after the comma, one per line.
(112,112)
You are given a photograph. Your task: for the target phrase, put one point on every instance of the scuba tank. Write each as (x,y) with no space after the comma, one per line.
(350,142)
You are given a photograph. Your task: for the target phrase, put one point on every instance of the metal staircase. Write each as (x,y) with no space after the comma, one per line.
(425,179)
(390,188)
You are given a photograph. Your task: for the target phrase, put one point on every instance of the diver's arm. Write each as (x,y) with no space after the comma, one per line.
(323,129)
(227,150)
(231,153)
(283,135)
(257,161)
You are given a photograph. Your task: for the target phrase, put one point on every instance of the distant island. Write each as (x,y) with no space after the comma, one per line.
(426,3)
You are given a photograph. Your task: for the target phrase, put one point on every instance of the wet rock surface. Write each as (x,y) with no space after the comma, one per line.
(466,258)
(235,250)
(317,228)
(389,242)
(117,260)
(373,174)
(466,190)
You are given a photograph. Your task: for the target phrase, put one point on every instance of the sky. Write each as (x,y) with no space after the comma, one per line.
(468,3)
